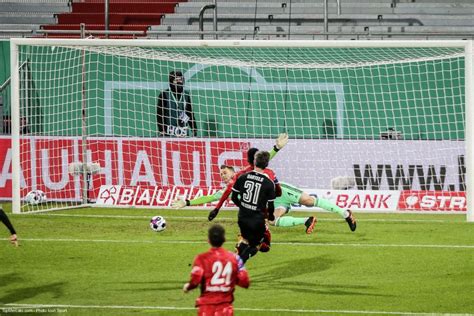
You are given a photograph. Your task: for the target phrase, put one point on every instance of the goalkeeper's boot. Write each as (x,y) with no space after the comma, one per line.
(351,221)
(310,223)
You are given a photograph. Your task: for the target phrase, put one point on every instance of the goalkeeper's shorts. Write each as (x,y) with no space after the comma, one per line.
(290,196)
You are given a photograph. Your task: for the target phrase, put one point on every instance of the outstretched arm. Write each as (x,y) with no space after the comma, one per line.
(280,142)
(180,203)
(227,191)
(225,195)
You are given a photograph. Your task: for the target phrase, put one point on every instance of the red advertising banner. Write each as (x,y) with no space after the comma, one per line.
(432,201)
(123,161)
(160,196)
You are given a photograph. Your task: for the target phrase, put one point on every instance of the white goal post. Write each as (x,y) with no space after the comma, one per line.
(394,116)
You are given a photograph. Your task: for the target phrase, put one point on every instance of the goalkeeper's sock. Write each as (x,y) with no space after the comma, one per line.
(288,221)
(331,207)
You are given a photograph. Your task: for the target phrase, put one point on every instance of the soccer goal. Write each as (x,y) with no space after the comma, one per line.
(373,125)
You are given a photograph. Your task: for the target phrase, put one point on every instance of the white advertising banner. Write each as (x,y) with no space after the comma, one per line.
(357,200)
(374,164)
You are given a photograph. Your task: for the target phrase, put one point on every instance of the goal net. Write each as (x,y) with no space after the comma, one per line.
(378,126)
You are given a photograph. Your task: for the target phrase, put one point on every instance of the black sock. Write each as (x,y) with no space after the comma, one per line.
(248,252)
(4,219)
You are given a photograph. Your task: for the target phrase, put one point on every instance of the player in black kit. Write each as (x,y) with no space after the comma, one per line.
(4,219)
(253,193)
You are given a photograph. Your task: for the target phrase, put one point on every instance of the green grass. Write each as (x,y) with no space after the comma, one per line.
(82,264)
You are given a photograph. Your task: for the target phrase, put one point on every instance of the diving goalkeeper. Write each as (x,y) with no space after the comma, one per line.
(290,195)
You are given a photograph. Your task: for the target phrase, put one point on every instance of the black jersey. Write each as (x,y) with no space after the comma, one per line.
(252,193)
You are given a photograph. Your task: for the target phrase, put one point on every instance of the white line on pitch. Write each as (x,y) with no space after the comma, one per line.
(308,244)
(204,218)
(126,216)
(374,245)
(275,310)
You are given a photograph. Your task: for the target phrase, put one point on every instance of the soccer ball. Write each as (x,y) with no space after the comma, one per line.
(35,197)
(158,223)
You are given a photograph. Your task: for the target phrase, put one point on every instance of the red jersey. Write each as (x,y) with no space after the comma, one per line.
(269,172)
(218,271)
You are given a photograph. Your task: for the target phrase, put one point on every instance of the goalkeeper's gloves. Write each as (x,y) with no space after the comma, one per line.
(213,214)
(281,141)
(180,203)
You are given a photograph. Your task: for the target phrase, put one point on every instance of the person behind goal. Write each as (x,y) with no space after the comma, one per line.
(217,271)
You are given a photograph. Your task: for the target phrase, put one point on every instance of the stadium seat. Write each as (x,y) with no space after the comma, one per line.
(123,16)
(25,18)
(244,19)
(305,18)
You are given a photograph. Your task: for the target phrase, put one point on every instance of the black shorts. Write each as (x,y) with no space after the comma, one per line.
(252,229)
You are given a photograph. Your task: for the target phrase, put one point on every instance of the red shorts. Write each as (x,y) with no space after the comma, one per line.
(216,310)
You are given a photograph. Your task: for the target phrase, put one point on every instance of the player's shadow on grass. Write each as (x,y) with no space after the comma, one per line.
(157,285)
(294,268)
(282,276)
(20,294)
(326,289)
(6,279)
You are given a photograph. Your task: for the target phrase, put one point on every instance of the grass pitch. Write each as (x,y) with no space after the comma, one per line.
(109,262)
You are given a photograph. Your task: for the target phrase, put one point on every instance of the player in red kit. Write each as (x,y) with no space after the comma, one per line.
(218,271)
(281,142)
